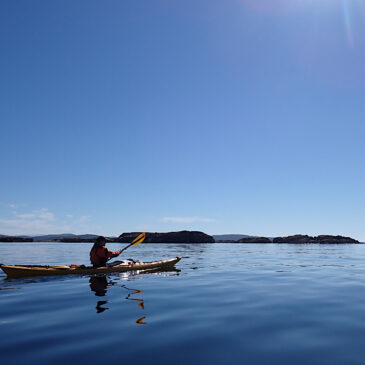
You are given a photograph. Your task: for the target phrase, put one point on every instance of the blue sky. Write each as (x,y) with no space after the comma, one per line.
(234,116)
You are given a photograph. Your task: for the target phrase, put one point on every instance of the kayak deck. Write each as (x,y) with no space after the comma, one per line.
(18,271)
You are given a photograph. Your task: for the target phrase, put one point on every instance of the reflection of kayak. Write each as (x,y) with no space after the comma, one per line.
(17,271)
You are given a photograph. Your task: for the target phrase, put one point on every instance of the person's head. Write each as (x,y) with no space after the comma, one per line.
(100,241)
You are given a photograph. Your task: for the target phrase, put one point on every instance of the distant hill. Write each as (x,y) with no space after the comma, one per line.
(15,239)
(88,236)
(61,237)
(53,237)
(230,237)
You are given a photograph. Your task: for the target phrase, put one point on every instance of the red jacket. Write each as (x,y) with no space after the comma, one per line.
(99,255)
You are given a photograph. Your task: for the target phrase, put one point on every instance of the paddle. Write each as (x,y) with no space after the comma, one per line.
(136,241)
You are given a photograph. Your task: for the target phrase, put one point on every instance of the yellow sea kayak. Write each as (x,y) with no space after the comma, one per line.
(18,271)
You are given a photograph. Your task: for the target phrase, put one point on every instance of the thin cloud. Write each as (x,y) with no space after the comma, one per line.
(187,220)
(42,214)
(45,215)
(43,221)
(25,216)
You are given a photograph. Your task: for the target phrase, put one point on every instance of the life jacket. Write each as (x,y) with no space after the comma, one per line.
(95,259)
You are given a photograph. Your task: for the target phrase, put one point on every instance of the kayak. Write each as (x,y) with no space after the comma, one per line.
(18,271)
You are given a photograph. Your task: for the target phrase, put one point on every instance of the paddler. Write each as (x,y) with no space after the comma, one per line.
(99,254)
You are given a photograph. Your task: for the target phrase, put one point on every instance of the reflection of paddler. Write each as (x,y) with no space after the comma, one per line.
(99,285)
(99,308)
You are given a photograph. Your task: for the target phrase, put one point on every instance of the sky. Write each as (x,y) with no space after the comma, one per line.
(225,116)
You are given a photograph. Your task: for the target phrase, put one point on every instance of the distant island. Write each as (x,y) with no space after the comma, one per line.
(182,237)
(64,237)
(170,237)
(15,239)
(318,239)
(299,238)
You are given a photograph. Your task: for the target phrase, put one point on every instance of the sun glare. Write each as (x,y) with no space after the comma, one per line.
(326,39)
(322,7)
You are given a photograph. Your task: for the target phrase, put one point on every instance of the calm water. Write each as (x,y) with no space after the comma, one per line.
(230,303)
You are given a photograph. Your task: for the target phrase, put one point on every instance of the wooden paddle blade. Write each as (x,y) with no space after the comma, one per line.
(139,239)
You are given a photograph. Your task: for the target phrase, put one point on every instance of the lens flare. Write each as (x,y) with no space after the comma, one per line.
(347,19)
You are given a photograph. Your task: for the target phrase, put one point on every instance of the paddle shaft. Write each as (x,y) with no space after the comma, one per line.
(131,244)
